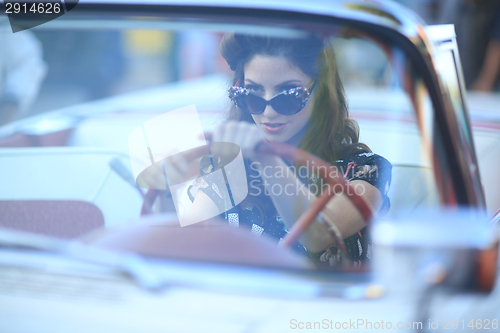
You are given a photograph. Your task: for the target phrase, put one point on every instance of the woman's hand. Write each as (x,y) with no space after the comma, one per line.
(176,170)
(247,136)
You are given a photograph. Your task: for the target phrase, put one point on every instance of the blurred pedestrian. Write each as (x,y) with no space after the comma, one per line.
(489,75)
(22,70)
(474,21)
(428,10)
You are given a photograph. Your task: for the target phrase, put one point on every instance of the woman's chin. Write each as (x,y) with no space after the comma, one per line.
(277,138)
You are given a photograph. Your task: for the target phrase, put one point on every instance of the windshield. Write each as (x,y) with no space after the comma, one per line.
(105,125)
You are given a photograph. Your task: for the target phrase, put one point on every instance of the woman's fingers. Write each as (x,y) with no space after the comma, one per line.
(245,135)
(218,134)
(230,132)
(253,138)
(176,168)
(249,137)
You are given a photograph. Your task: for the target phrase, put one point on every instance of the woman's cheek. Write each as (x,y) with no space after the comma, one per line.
(255,118)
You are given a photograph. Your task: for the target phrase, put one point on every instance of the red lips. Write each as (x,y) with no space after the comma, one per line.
(274,127)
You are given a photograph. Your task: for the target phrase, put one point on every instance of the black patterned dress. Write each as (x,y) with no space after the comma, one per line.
(258,214)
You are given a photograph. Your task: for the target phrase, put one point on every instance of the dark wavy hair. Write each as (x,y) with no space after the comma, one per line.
(330,133)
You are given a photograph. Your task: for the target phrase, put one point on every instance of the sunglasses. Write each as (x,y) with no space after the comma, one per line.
(287,102)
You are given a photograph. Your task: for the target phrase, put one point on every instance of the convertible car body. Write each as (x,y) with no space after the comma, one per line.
(75,254)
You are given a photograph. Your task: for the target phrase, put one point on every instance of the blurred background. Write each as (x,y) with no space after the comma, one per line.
(477,25)
(52,70)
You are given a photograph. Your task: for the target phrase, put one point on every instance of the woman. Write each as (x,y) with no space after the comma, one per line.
(289,91)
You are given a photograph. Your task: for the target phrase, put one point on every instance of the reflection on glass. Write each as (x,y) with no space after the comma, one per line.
(340,99)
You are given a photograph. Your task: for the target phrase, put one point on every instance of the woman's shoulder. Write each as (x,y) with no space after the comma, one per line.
(365,158)
(364,165)
(369,167)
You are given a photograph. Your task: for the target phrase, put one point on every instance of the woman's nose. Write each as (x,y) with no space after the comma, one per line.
(269,112)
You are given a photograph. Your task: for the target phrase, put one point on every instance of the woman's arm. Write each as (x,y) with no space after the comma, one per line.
(490,70)
(291,198)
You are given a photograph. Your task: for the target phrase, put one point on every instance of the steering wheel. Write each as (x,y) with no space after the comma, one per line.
(302,158)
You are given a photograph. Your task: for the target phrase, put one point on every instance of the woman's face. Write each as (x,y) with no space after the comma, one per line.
(267,76)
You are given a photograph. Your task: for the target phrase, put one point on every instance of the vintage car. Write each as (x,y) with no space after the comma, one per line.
(83,247)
